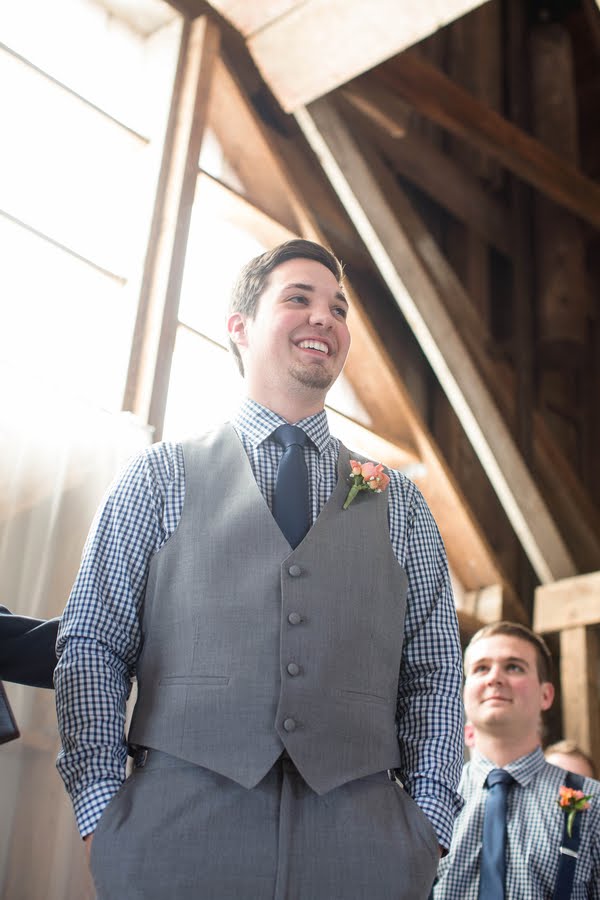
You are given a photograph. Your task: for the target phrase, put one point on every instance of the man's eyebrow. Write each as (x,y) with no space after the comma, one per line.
(503,659)
(310,288)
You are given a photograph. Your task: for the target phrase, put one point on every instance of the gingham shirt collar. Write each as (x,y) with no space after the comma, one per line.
(523,770)
(258,423)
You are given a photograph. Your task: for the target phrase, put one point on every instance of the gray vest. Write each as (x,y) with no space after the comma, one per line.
(249,647)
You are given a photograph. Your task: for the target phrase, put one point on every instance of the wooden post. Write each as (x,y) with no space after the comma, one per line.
(579,671)
(572,607)
(156,325)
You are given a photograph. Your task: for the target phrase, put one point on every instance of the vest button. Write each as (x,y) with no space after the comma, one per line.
(289,724)
(294,618)
(295,571)
(293,669)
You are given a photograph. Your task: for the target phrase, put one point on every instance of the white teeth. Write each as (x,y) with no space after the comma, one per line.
(314,345)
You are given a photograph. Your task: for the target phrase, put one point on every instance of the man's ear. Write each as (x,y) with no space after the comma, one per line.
(236,328)
(547,695)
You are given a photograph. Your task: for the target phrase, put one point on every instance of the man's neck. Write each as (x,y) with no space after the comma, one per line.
(504,750)
(293,408)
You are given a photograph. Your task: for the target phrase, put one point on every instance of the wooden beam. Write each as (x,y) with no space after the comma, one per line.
(569,603)
(236,208)
(305,50)
(579,654)
(491,604)
(246,147)
(438,98)
(380,105)
(397,250)
(156,325)
(449,184)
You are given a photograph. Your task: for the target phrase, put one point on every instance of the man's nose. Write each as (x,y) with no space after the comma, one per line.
(321,315)
(494,675)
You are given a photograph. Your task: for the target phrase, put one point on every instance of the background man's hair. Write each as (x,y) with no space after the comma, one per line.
(570,748)
(252,280)
(515,629)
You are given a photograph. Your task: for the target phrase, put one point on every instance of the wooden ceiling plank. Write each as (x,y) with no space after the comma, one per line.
(438,98)
(320,44)
(249,16)
(395,250)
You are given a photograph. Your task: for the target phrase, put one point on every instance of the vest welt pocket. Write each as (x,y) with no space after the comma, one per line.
(364,696)
(207,680)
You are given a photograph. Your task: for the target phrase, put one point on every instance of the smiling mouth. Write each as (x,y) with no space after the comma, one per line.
(314,345)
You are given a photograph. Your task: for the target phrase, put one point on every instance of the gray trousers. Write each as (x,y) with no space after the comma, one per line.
(176,831)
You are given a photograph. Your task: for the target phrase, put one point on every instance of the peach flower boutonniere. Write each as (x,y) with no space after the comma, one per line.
(367,476)
(572,802)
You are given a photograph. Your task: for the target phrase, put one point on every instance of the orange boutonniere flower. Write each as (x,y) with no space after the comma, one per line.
(572,802)
(367,476)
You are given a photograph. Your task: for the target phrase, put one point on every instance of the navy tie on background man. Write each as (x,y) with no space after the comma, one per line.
(493,849)
(290,501)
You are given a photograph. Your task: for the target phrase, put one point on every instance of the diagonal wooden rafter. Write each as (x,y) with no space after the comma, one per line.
(395,249)
(438,98)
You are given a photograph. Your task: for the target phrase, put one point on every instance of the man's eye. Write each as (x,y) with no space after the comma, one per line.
(298,298)
(340,311)
(514,667)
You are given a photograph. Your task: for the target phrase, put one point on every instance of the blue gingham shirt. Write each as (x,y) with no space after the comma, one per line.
(534,828)
(99,638)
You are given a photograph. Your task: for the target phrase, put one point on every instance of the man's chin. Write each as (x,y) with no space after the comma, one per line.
(314,377)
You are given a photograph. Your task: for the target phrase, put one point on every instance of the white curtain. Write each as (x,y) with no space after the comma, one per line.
(57,457)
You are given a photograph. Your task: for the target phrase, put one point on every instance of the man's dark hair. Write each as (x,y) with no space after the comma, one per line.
(515,629)
(252,280)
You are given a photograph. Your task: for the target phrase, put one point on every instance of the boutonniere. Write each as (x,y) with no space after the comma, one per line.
(367,476)
(572,802)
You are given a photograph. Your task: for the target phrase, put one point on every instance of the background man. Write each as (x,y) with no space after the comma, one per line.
(567,755)
(282,667)
(507,687)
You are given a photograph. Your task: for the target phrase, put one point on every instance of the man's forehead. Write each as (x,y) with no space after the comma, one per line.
(301,270)
(501,648)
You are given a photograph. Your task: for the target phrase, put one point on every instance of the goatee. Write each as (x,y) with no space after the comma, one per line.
(312,377)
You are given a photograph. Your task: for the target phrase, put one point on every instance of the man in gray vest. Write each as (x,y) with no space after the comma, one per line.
(298,726)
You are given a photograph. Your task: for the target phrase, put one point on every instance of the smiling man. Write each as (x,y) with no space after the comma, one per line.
(510,839)
(298,726)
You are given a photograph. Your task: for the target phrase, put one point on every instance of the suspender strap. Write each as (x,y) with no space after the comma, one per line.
(569,849)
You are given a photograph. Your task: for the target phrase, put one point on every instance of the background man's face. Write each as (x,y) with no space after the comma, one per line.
(503,693)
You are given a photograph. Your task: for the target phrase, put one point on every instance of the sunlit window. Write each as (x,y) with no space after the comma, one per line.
(82,128)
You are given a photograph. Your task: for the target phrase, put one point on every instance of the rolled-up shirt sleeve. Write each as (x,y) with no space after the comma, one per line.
(430,709)
(99,636)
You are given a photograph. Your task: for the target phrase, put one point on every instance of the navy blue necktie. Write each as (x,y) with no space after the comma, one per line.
(492,865)
(290,501)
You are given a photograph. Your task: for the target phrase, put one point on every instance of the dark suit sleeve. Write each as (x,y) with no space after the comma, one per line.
(27,649)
